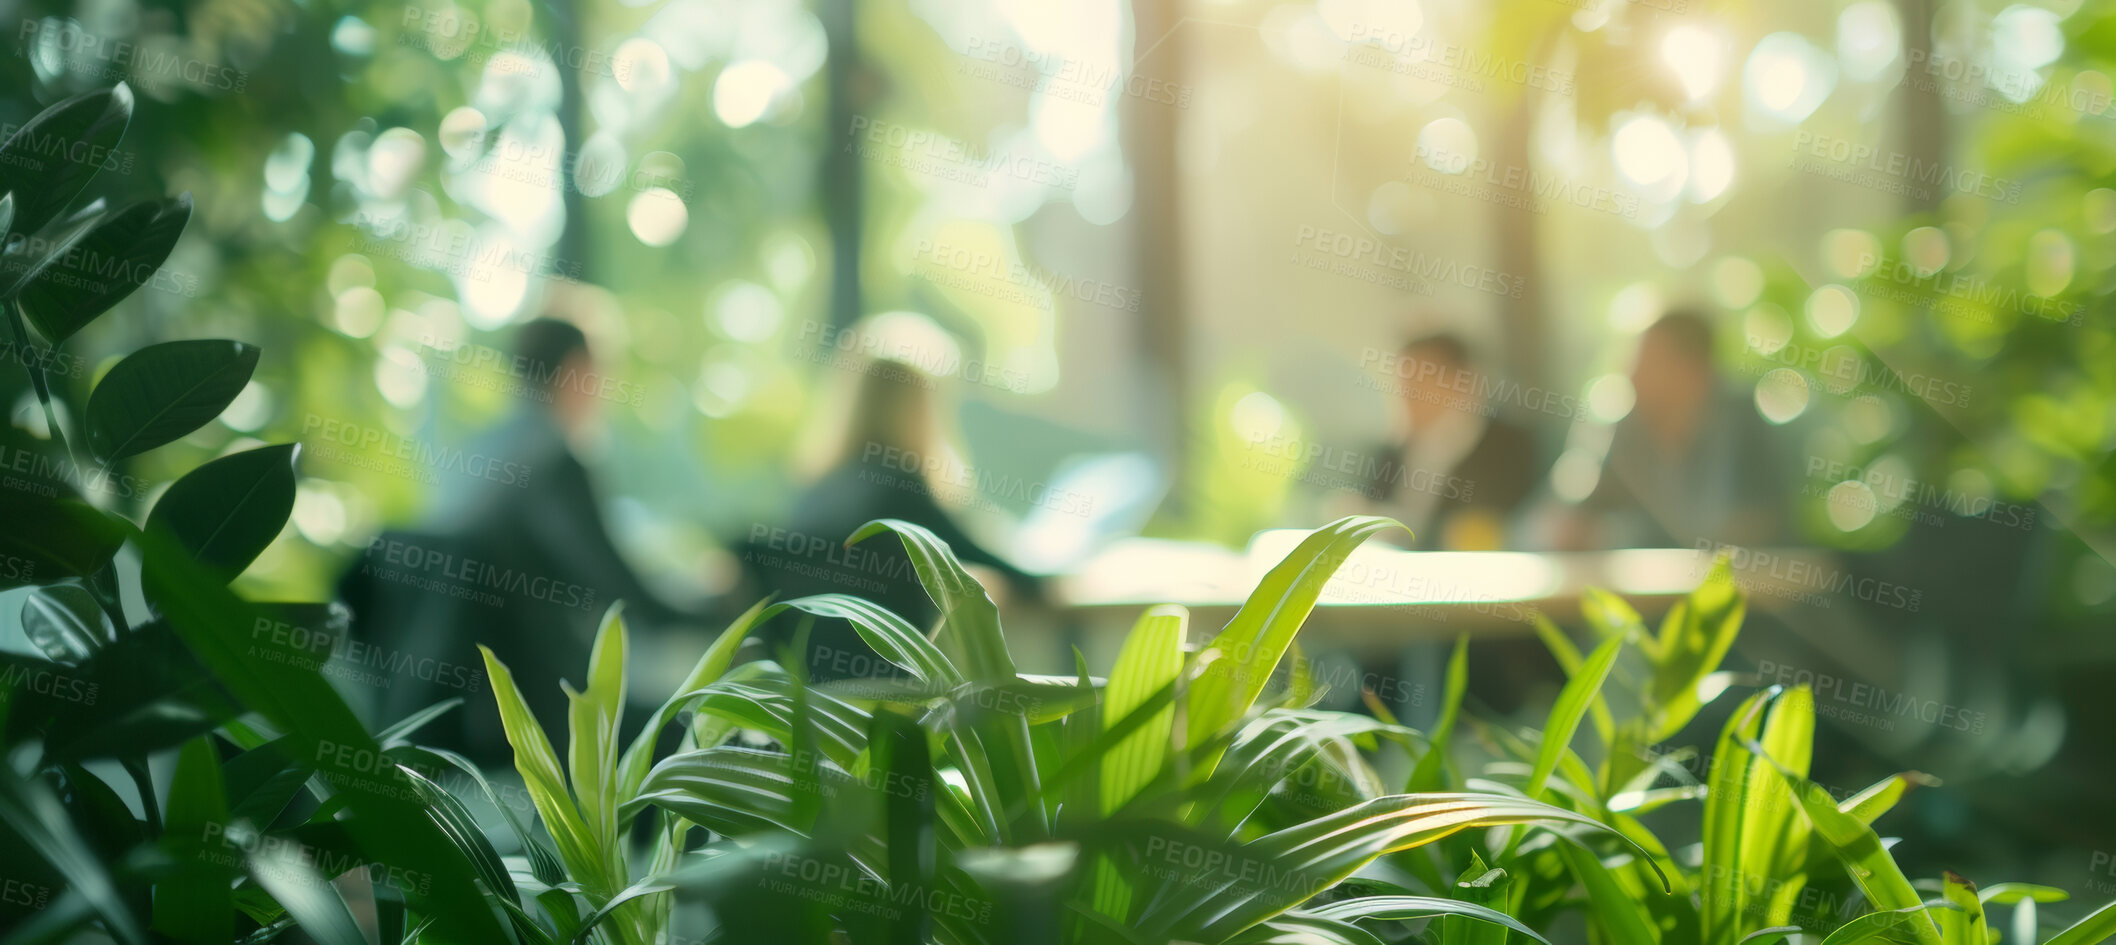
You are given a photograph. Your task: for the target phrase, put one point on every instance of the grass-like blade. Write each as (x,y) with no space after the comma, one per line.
(1430,774)
(1246,651)
(2098,927)
(712,664)
(1417,907)
(1621,918)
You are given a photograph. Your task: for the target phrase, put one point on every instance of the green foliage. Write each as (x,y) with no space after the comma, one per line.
(901,809)
(1192,796)
(282,811)
(969,795)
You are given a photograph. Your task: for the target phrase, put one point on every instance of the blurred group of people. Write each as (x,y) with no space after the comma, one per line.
(1692,461)
(527,568)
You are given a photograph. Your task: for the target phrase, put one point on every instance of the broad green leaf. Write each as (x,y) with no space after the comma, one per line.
(1619,916)
(1774,840)
(1612,616)
(49,539)
(969,619)
(48,160)
(400,731)
(1694,639)
(226,512)
(1906,926)
(591,750)
(970,633)
(1274,748)
(1868,805)
(541,777)
(638,890)
(712,664)
(543,863)
(162,392)
(1484,887)
(1152,657)
(742,791)
(1286,867)
(309,897)
(388,826)
(1243,655)
(456,823)
(1573,701)
(2006,894)
(29,259)
(1727,806)
(1305,928)
(64,623)
(192,904)
(901,766)
(121,253)
(1569,659)
(34,813)
(1086,761)
(765,701)
(2098,927)
(1864,858)
(1964,924)
(891,636)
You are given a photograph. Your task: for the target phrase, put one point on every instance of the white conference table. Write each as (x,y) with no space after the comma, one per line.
(1389,596)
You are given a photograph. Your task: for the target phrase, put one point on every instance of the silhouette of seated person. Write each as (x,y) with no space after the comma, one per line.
(1457,472)
(1692,462)
(516,556)
(881,471)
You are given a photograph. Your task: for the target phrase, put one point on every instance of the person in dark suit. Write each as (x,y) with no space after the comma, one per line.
(517,557)
(1458,471)
(1693,461)
(891,464)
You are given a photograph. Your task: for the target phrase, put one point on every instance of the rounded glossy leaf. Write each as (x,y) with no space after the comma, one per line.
(31,257)
(120,253)
(64,623)
(50,539)
(226,512)
(164,391)
(46,162)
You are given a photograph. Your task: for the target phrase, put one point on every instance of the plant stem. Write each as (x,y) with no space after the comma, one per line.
(103,584)
(35,366)
(144,781)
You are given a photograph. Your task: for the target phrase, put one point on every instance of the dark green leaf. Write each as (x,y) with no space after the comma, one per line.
(122,252)
(47,539)
(225,512)
(164,391)
(193,904)
(64,622)
(47,162)
(31,810)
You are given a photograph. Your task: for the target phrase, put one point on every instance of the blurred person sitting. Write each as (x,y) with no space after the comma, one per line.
(1693,462)
(1457,472)
(516,556)
(883,469)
